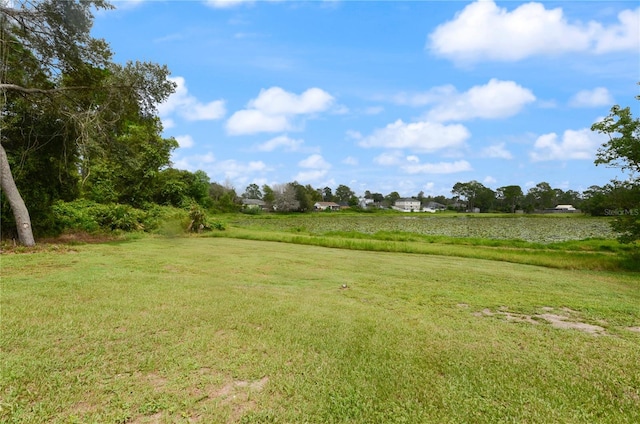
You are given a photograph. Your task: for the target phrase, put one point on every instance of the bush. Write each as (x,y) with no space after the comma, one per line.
(75,215)
(91,217)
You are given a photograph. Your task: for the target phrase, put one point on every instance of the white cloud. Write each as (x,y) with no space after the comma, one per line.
(622,36)
(185,141)
(189,107)
(168,123)
(599,96)
(282,141)
(488,180)
(255,121)
(233,169)
(484,31)
(574,144)
(316,168)
(496,99)
(239,172)
(275,110)
(276,101)
(315,161)
(438,168)
(227,4)
(195,162)
(355,135)
(411,164)
(421,136)
(310,176)
(389,158)
(497,151)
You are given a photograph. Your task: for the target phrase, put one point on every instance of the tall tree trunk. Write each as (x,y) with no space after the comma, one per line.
(19,209)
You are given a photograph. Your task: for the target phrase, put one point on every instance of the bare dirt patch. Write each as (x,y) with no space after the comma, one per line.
(237,395)
(156,381)
(564,318)
(634,329)
(561,321)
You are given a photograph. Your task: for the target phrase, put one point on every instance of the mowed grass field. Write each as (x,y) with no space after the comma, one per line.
(223,330)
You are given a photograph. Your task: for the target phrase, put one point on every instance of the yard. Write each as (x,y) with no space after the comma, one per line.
(226,330)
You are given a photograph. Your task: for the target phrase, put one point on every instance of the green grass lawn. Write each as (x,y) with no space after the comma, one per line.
(222,330)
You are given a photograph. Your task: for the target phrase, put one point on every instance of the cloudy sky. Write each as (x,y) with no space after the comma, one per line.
(387,96)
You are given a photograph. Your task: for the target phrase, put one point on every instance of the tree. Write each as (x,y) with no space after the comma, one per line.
(252,192)
(511,196)
(345,195)
(304,196)
(223,197)
(542,196)
(128,168)
(623,151)
(327,194)
(71,77)
(378,197)
(391,198)
(474,192)
(623,148)
(268,196)
(285,198)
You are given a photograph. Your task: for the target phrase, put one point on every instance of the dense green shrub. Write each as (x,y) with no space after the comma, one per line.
(86,215)
(92,217)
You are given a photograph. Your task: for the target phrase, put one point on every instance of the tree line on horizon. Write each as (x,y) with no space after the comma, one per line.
(295,197)
(79,132)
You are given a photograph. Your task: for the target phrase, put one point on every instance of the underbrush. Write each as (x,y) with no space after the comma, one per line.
(85,216)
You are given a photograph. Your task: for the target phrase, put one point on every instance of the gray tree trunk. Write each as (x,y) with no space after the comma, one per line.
(19,209)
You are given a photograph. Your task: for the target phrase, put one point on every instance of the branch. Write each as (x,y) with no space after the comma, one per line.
(15,87)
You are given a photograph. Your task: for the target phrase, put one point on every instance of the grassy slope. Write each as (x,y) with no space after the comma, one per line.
(224,330)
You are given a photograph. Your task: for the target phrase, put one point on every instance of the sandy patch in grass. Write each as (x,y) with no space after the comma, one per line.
(561,321)
(237,394)
(635,329)
(156,381)
(564,318)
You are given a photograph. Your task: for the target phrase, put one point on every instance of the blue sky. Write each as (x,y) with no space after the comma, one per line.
(387,96)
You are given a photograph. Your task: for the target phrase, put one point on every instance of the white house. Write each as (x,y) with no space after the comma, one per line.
(323,206)
(407,205)
(253,204)
(565,208)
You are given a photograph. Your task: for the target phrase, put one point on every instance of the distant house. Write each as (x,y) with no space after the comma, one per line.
(323,206)
(458,205)
(562,209)
(407,205)
(365,203)
(253,204)
(435,206)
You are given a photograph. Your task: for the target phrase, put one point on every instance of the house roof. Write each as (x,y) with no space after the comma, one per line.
(253,202)
(326,204)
